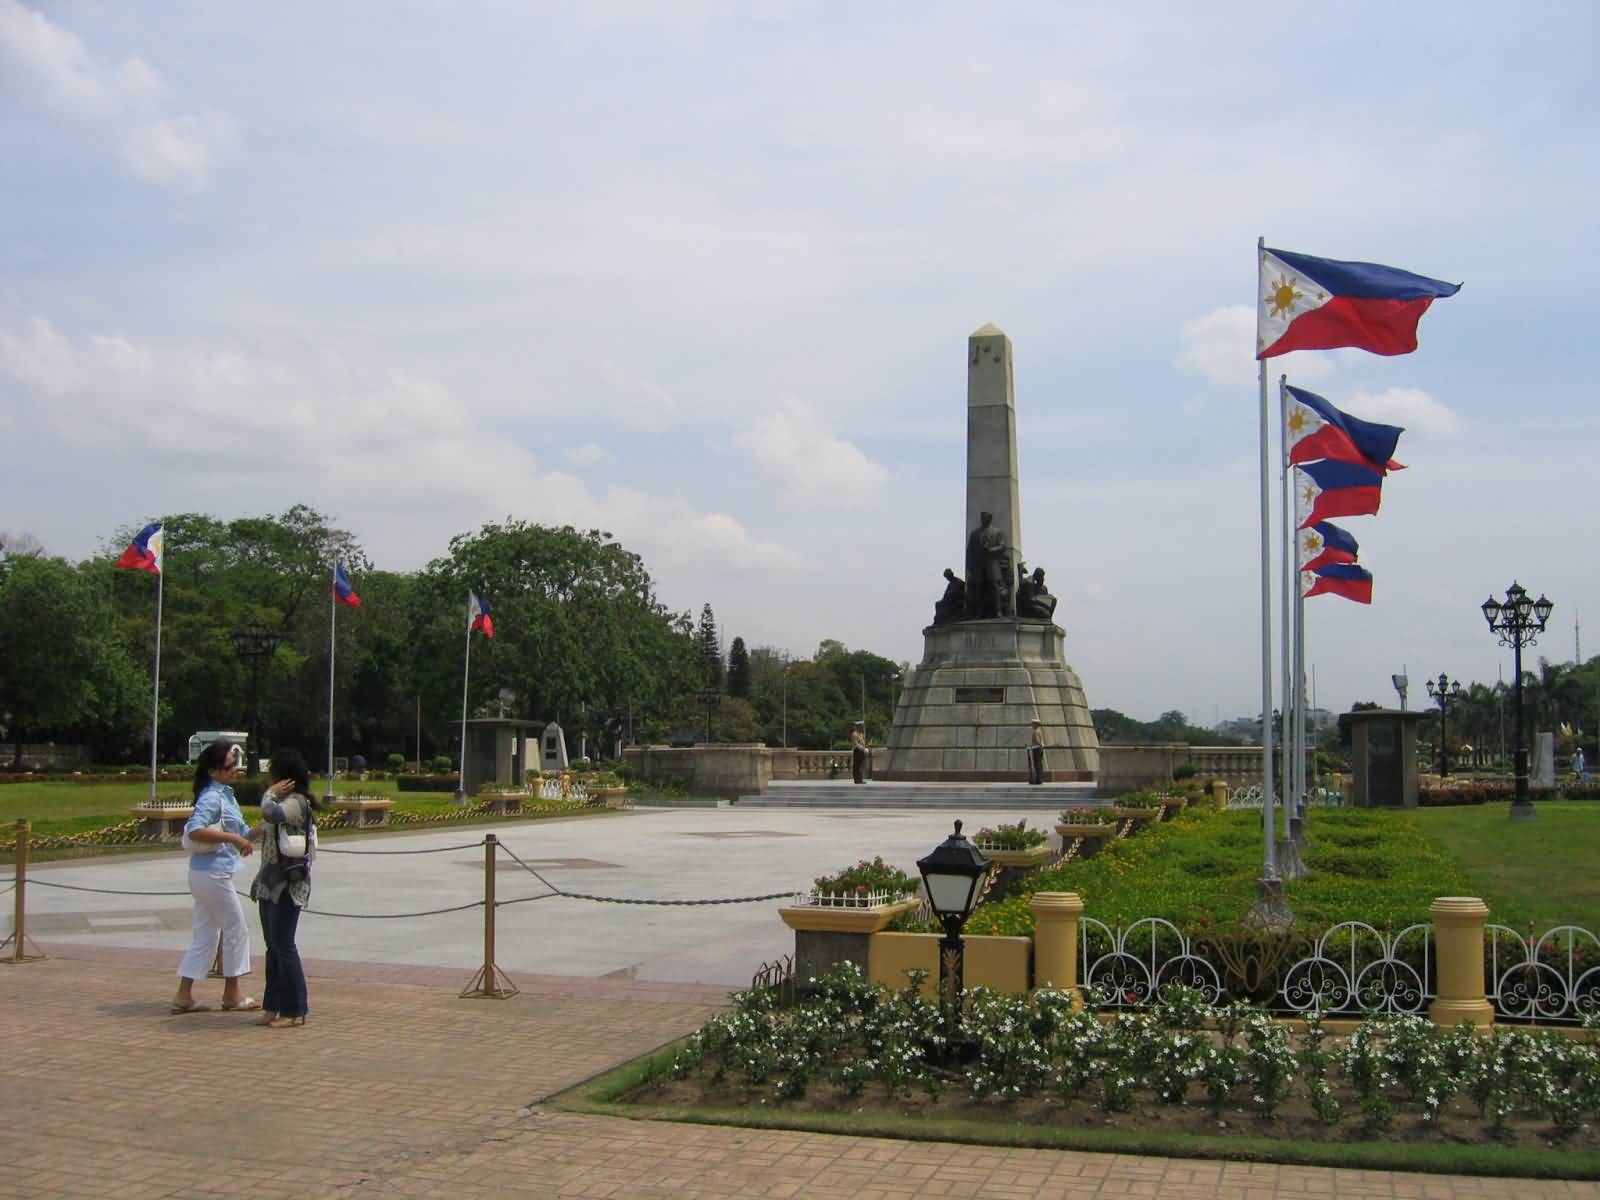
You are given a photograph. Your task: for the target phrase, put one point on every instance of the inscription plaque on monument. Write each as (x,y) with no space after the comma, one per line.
(980,695)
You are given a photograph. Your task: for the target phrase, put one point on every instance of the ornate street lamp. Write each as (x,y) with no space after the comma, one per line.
(1444,691)
(1518,621)
(255,643)
(951,874)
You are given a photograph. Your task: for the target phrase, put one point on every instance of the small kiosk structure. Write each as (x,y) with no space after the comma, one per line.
(500,750)
(1383,758)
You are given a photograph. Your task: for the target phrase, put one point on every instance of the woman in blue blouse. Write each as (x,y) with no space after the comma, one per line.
(218,823)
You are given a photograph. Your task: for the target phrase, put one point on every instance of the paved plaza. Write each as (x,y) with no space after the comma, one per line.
(398,1088)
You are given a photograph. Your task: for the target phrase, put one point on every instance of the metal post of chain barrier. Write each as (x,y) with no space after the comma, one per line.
(487,983)
(19,913)
(216,963)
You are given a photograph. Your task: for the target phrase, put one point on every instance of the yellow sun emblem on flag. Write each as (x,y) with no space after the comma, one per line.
(1312,544)
(1309,495)
(1281,296)
(1298,421)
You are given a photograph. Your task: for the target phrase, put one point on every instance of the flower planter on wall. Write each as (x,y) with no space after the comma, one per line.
(365,811)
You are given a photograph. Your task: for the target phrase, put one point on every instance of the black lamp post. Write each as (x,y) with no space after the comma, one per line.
(255,643)
(951,874)
(1444,691)
(1518,621)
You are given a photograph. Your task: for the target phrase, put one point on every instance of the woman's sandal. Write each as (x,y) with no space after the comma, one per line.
(284,1022)
(248,1004)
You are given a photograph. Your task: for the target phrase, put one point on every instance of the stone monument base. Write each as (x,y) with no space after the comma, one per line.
(966,711)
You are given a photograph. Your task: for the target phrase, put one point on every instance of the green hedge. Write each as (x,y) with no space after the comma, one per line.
(426,783)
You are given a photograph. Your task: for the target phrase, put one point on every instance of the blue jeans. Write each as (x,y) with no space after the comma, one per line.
(286,978)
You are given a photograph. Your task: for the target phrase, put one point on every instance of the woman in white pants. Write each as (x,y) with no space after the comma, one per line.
(218,823)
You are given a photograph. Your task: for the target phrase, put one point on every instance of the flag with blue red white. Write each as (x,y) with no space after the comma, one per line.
(478,615)
(343,593)
(1336,489)
(1316,429)
(144,552)
(1342,579)
(1311,303)
(1326,543)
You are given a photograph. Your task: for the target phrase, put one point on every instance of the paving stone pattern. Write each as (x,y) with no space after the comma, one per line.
(398,1088)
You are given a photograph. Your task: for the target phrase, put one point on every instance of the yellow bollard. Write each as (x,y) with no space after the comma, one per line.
(1219,793)
(1055,942)
(1458,946)
(19,912)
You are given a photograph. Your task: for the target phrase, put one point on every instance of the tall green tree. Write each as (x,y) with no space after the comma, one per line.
(738,669)
(579,631)
(65,674)
(711,648)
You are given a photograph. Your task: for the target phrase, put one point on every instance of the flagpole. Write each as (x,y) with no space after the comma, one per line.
(1269,861)
(461,778)
(155,689)
(333,635)
(1298,815)
(1290,539)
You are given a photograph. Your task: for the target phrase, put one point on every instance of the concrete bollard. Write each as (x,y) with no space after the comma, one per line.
(1219,793)
(1055,942)
(1458,947)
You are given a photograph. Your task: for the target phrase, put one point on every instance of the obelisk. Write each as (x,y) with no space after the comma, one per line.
(992,437)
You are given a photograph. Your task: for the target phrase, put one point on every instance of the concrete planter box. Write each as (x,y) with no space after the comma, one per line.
(505,804)
(365,812)
(163,820)
(611,797)
(1103,829)
(1026,860)
(1124,813)
(825,937)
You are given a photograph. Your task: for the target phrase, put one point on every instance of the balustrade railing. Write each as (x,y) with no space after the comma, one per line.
(1554,979)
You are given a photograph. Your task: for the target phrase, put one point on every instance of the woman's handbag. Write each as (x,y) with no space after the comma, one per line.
(189,846)
(297,845)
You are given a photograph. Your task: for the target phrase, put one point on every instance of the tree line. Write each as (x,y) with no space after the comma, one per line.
(580,637)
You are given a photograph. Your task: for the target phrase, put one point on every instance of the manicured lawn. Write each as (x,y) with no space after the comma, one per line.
(1546,870)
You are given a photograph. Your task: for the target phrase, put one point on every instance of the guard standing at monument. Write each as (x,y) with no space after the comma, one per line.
(1036,752)
(858,752)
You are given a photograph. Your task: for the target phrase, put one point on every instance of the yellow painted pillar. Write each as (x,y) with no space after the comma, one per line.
(1219,793)
(1055,942)
(1458,946)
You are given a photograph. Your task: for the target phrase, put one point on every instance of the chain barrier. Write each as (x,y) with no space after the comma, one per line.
(555,891)
(321,850)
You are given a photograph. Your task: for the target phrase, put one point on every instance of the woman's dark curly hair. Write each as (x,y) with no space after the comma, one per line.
(291,764)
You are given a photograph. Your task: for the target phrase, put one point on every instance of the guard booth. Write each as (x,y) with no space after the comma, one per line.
(499,750)
(1383,758)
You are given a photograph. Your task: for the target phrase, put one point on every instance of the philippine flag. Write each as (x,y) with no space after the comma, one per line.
(1335,489)
(1319,430)
(343,593)
(1326,543)
(1310,303)
(478,615)
(1342,579)
(144,552)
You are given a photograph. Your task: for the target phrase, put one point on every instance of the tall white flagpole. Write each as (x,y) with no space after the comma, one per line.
(1269,861)
(155,687)
(1300,772)
(333,635)
(1291,539)
(461,778)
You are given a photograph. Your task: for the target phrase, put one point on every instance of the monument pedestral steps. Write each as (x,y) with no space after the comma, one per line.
(974,797)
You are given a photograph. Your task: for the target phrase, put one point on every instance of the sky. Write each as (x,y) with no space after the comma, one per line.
(701,275)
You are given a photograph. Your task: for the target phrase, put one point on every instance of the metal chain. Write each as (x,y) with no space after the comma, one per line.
(555,891)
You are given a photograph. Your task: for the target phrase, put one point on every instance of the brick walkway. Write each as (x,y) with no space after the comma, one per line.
(397,1088)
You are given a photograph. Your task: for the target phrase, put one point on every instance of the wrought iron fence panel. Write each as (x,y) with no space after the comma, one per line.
(1555,977)
(1119,972)
(1357,968)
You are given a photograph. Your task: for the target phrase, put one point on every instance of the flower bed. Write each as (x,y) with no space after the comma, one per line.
(868,883)
(1184,1066)
(1010,837)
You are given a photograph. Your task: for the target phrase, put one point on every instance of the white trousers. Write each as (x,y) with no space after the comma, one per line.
(216,911)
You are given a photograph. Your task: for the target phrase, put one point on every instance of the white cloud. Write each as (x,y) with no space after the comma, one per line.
(1219,346)
(587,455)
(180,149)
(228,430)
(815,469)
(58,72)
(1410,408)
